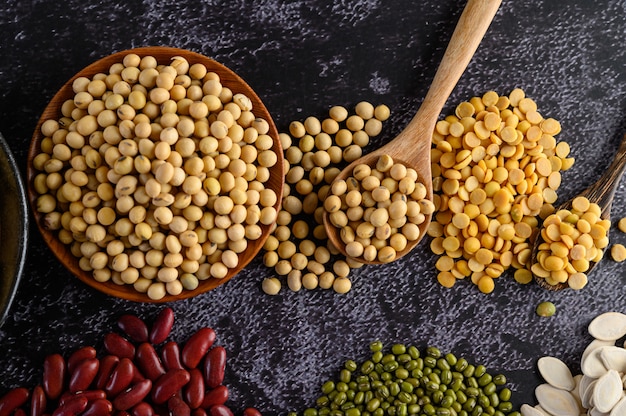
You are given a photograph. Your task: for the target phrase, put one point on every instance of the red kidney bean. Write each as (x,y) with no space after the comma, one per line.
(54,373)
(199,412)
(134,327)
(118,345)
(98,407)
(38,401)
(137,376)
(197,346)
(78,356)
(122,413)
(194,390)
(218,395)
(91,395)
(72,407)
(170,354)
(162,326)
(13,400)
(220,410)
(132,395)
(120,379)
(148,361)
(251,411)
(107,364)
(178,407)
(214,366)
(143,409)
(168,384)
(84,374)
(19,412)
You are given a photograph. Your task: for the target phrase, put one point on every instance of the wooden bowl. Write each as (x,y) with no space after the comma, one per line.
(163,55)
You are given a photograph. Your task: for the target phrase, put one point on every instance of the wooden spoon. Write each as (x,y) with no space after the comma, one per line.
(163,55)
(412,146)
(601,193)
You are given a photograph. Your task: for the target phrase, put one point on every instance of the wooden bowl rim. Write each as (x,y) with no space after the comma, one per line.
(232,81)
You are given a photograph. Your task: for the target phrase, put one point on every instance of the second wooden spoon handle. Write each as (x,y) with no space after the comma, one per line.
(469,32)
(602,191)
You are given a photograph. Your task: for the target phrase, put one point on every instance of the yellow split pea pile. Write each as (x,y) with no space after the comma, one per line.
(496,170)
(155,175)
(572,238)
(299,249)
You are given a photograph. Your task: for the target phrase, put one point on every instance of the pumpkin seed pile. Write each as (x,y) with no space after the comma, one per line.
(600,389)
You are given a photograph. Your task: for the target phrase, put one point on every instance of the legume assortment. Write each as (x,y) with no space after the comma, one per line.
(155,175)
(407,381)
(298,249)
(496,169)
(139,373)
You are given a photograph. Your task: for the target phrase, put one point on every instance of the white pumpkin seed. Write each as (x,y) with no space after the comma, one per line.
(586,396)
(591,364)
(620,408)
(556,373)
(614,358)
(596,343)
(576,391)
(527,410)
(543,411)
(608,391)
(609,326)
(595,412)
(556,401)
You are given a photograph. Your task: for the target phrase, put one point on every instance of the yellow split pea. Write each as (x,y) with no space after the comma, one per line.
(496,169)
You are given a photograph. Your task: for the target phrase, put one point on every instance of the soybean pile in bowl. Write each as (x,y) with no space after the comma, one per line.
(155,174)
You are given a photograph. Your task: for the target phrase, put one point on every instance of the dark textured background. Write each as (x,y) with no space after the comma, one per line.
(302,57)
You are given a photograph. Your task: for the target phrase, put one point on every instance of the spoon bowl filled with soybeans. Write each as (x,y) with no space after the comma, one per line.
(155,174)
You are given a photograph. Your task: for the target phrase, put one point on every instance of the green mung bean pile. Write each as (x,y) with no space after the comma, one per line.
(405,380)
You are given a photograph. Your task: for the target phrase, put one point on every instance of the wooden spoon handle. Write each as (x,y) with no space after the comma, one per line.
(602,191)
(470,30)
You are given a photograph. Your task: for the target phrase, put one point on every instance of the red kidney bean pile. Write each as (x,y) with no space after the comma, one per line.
(132,378)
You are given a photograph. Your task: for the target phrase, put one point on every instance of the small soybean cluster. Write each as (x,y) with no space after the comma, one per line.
(406,381)
(155,175)
(572,238)
(315,150)
(496,169)
(378,209)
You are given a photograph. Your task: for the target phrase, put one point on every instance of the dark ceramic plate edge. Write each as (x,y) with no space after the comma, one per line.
(13,229)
